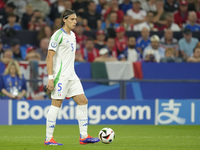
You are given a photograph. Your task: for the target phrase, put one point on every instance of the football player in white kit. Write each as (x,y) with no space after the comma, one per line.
(63,81)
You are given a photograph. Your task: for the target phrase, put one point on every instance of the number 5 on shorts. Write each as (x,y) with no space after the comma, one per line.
(59,86)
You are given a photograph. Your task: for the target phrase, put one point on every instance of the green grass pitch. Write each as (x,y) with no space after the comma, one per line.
(128,137)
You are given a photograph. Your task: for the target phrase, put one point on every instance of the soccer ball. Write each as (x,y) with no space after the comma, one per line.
(106,135)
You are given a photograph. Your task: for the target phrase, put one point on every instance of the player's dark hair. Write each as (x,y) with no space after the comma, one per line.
(65,14)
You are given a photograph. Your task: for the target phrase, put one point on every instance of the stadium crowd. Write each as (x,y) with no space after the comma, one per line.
(110,20)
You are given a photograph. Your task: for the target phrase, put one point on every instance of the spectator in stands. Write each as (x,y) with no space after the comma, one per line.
(91,18)
(111,21)
(40,5)
(130,52)
(181,16)
(18,53)
(100,6)
(126,23)
(105,8)
(150,56)
(79,6)
(160,14)
(42,50)
(159,52)
(149,5)
(169,24)
(195,57)
(100,40)
(20,7)
(45,32)
(31,54)
(143,41)
(89,53)
(126,5)
(197,10)
(187,44)
(79,56)
(26,18)
(138,15)
(171,6)
(37,21)
(120,39)
(191,24)
(12,23)
(7,56)
(114,6)
(104,56)
(68,4)
(168,41)
(56,9)
(149,23)
(170,56)
(4,12)
(80,37)
(13,83)
(110,45)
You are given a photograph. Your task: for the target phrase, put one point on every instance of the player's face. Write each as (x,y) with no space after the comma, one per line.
(71,21)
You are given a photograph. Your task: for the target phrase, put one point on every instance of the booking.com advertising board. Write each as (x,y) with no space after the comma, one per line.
(158,112)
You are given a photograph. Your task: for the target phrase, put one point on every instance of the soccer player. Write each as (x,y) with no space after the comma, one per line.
(63,81)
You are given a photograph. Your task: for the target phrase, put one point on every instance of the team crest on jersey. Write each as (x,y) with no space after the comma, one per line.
(53,44)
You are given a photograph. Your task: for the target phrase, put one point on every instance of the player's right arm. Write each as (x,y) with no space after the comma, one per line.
(50,84)
(56,39)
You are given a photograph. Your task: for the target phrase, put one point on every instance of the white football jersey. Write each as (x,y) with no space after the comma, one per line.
(64,46)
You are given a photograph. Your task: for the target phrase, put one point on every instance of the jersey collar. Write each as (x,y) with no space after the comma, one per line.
(65,32)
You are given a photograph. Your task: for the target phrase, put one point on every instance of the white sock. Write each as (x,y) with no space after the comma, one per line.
(82,120)
(51,121)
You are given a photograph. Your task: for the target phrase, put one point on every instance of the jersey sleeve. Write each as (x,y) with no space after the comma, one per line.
(55,40)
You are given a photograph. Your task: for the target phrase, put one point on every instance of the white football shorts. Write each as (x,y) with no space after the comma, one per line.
(67,88)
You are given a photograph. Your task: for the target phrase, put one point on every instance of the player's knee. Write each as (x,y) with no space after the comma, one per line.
(83,101)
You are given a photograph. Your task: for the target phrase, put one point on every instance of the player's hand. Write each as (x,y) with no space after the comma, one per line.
(50,86)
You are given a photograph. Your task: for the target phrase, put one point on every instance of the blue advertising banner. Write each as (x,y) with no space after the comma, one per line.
(4,112)
(99,112)
(177,112)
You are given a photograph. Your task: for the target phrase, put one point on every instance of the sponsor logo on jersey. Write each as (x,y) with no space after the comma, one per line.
(53,44)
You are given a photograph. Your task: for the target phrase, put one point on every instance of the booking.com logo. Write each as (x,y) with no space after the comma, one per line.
(95,112)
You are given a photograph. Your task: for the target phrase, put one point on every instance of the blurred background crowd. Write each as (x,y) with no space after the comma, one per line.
(155,21)
(110,19)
